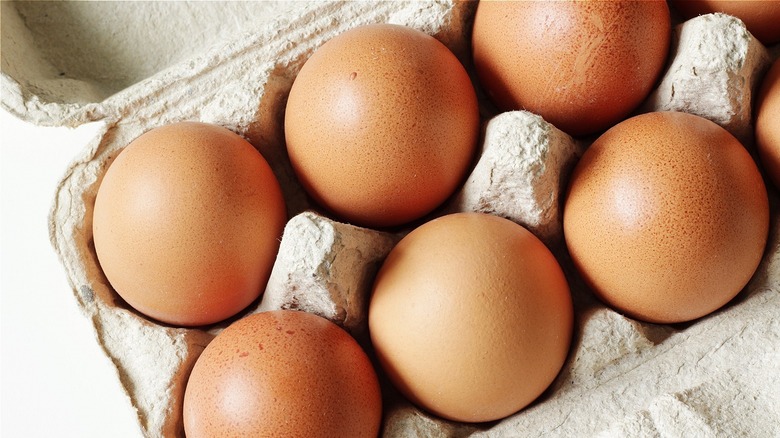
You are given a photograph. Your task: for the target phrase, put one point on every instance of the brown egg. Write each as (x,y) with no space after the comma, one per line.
(582,65)
(381,125)
(666,217)
(282,373)
(761,17)
(471,317)
(186,223)
(768,123)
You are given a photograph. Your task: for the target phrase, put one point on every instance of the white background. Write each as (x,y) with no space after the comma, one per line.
(56,381)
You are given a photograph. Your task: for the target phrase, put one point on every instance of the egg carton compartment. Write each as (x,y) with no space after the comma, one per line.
(233,65)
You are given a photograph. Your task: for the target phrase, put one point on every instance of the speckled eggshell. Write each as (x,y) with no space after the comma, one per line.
(282,373)
(761,17)
(471,317)
(582,65)
(768,123)
(381,125)
(666,217)
(187,223)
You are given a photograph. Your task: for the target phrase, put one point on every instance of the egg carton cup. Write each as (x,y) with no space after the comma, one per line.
(234,66)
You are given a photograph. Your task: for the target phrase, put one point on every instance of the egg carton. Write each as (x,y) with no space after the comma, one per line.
(133,66)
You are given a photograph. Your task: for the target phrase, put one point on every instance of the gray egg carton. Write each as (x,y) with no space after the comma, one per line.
(132,66)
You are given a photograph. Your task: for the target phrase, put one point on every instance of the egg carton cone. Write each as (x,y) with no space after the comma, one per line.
(133,66)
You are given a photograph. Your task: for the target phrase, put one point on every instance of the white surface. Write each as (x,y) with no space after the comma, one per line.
(56,382)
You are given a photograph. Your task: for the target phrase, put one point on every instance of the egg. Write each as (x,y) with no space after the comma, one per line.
(761,17)
(381,125)
(471,317)
(282,373)
(187,222)
(582,65)
(767,126)
(666,217)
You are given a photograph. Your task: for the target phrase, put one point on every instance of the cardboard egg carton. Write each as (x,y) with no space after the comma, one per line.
(233,63)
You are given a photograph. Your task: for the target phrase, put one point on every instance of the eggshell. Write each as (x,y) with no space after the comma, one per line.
(381,124)
(282,373)
(666,217)
(186,223)
(471,317)
(762,17)
(582,65)
(768,123)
